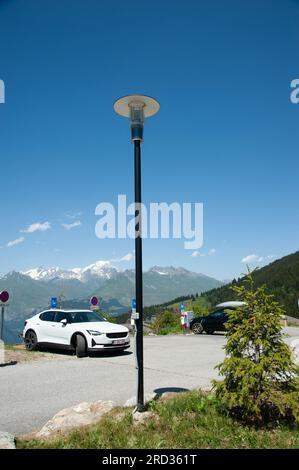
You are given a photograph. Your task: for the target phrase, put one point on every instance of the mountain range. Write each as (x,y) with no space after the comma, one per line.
(31,290)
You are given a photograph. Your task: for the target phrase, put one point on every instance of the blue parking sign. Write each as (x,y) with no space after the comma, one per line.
(53,302)
(182,307)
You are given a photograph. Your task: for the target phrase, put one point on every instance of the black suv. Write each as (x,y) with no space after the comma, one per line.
(215,321)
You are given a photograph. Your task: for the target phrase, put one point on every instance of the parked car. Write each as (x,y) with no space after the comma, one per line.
(82,331)
(214,321)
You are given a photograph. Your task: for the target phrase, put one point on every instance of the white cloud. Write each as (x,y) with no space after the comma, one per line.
(73,215)
(126,258)
(77,223)
(196,253)
(252,259)
(15,242)
(37,227)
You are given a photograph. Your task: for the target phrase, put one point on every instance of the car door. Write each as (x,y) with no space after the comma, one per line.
(223,320)
(214,321)
(44,326)
(61,331)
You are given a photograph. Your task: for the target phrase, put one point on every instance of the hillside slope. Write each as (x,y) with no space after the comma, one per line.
(281,278)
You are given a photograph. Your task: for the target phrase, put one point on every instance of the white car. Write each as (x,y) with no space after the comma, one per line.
(82,331)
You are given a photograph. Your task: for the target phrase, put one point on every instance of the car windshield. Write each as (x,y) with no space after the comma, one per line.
(84,317)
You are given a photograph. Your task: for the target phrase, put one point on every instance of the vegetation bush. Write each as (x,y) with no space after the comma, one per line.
(260,383)
(167,323)
(199,310)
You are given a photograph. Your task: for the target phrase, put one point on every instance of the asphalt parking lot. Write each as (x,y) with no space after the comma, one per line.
(31,393)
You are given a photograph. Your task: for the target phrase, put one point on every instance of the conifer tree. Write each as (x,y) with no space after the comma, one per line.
(260,382)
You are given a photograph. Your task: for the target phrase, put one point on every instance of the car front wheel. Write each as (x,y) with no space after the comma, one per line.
(197,328)
(80,346)
(31,341)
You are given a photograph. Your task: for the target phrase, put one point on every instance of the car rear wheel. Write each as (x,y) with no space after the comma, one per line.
(31,341)
(80,346)
(197,328)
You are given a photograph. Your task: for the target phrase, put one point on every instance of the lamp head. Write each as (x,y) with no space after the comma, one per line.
(136,108)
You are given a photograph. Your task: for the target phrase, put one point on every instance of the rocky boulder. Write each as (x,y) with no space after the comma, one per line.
(7,441)
(79,415)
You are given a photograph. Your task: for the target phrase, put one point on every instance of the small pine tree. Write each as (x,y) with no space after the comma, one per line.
(259,383)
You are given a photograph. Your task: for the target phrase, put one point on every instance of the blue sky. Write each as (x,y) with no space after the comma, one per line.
(226,135)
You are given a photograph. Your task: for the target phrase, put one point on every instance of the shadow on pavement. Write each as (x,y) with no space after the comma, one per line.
(109,353)
(11,363)
(161,391)
(64,352)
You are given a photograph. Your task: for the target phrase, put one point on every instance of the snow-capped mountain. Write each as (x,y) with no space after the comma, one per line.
(168,270)
(99,269)
(48,274)
(103,270)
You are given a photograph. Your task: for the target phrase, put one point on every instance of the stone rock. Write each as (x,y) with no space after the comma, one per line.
(7,441)
(79,415)
(147,398)
(139,418)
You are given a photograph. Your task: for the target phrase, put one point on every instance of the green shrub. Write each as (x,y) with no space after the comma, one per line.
(260,385)
(167,323)
(199,311)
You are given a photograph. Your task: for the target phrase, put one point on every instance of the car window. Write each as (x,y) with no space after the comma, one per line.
(47,316)
(60,316)
(217,314)
(83,317)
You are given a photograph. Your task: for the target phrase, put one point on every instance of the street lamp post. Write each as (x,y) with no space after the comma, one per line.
(136,108)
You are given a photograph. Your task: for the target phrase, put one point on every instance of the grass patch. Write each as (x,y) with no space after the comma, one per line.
(14,347)
(188,420)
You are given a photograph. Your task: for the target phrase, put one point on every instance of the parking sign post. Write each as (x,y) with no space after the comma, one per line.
(53,302)
(4,296)
(183,318)
(2,322)
(94,303)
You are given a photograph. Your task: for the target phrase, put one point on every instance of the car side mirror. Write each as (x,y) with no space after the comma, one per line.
(64,321)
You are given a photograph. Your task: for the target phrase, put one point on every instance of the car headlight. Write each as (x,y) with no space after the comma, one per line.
(94,333)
